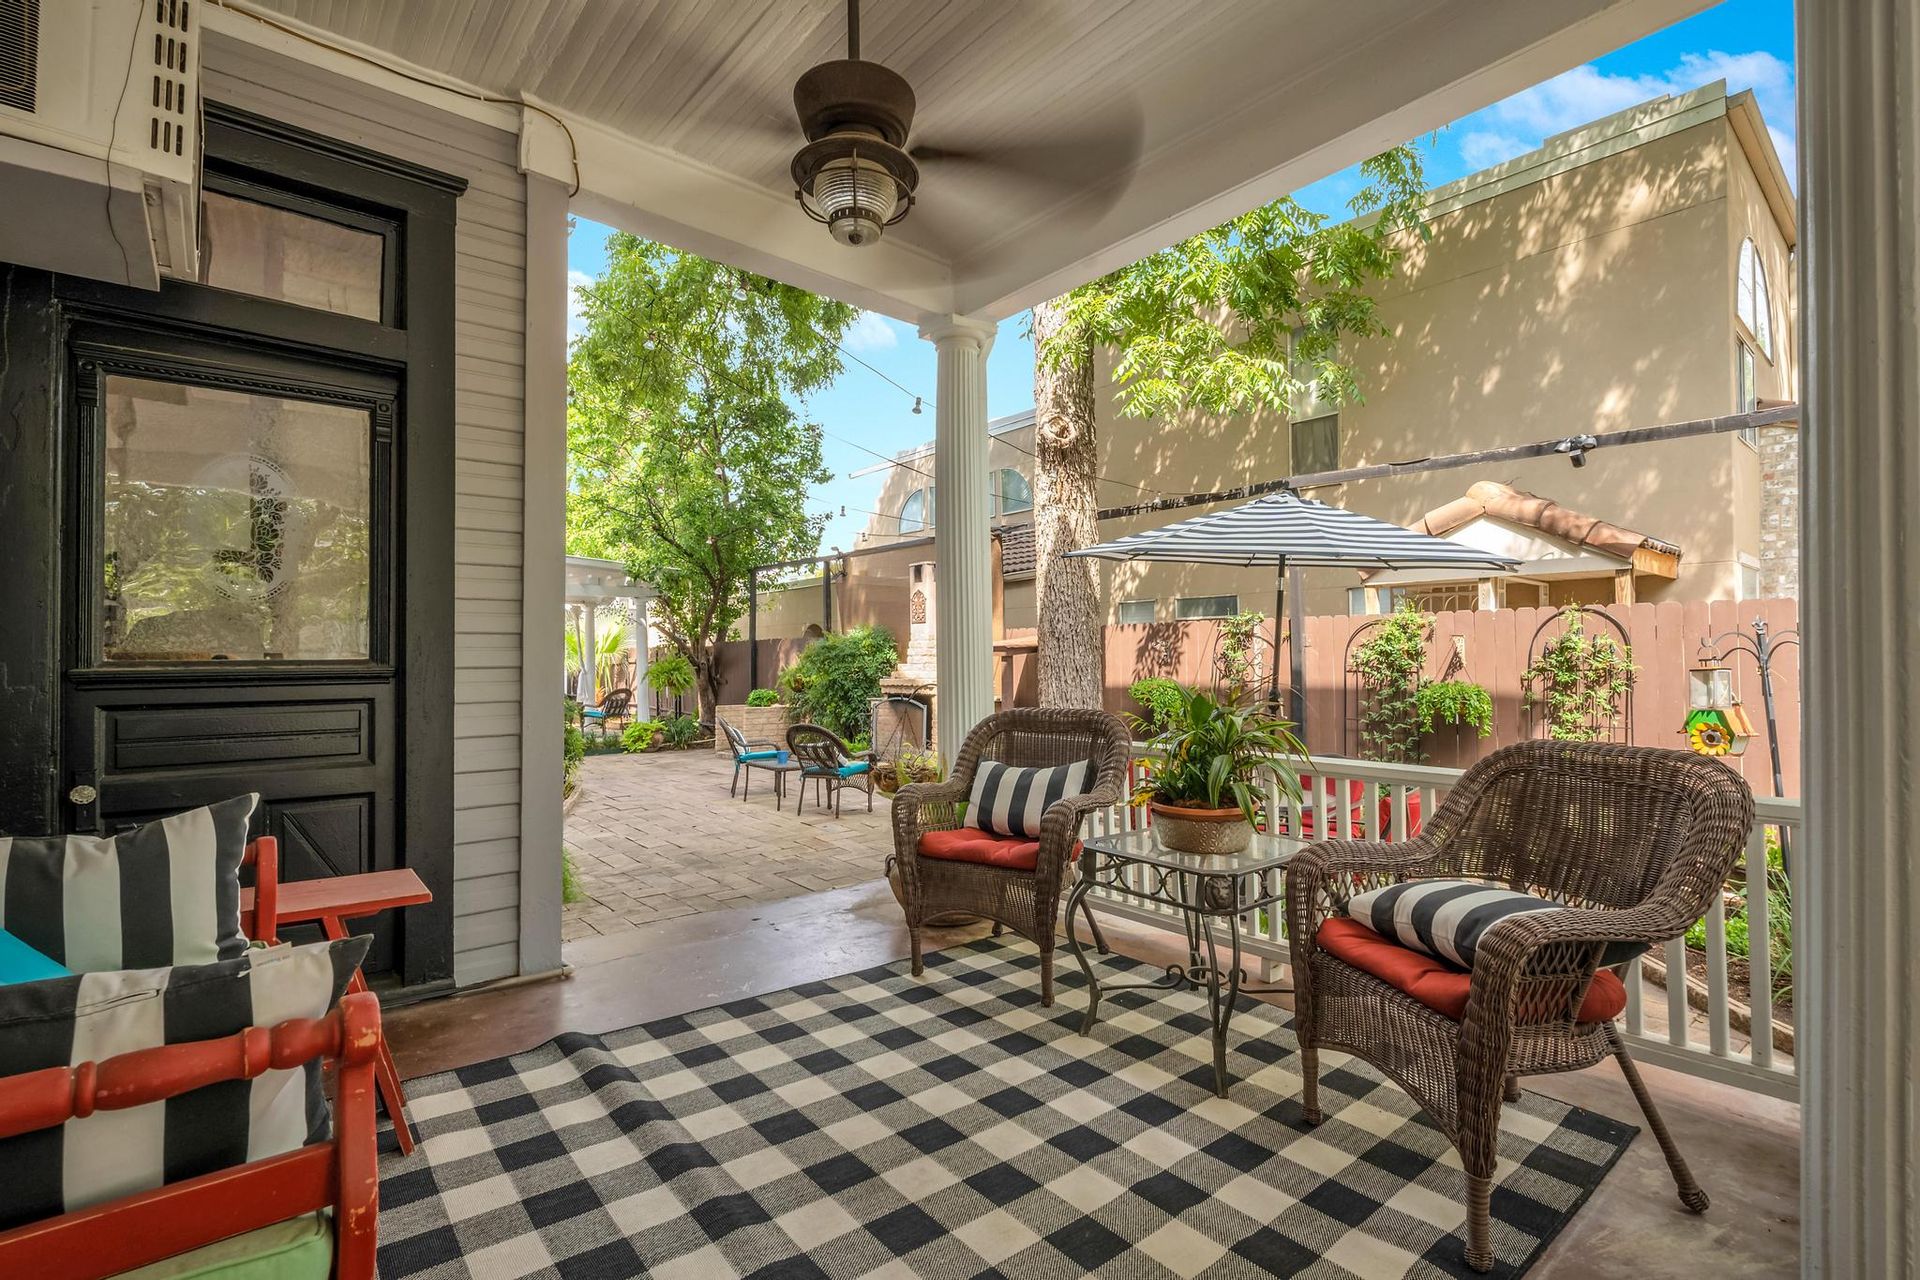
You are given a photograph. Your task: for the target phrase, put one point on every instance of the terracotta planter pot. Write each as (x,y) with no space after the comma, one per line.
(1201,831)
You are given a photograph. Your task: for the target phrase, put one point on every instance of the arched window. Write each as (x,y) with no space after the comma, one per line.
(913,512)
(1011,493)
(1750,299)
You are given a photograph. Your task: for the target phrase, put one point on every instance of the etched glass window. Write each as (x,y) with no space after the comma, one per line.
(270,252)
(235,526)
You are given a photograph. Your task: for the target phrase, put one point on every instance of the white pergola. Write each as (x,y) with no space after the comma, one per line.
(592,585)
(1237,101)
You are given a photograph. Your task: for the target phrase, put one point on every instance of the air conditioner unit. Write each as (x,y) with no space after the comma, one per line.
(100,138)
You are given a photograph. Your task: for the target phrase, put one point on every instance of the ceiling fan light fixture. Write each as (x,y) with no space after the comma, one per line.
(856,184)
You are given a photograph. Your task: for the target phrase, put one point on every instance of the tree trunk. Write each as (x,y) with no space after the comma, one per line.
(1072,639)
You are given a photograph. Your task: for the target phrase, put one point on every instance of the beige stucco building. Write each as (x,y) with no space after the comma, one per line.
(1633,272)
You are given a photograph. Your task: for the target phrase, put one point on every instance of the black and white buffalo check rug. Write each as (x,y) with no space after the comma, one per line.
(877,1125)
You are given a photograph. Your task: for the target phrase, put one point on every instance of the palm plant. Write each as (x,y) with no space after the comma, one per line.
(1212,754)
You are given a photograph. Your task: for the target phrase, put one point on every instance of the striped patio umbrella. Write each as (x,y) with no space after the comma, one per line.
(1291,532)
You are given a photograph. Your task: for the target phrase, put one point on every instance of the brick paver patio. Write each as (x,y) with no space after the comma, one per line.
(655,836)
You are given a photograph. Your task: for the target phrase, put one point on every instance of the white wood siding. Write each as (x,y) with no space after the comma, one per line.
(489,363)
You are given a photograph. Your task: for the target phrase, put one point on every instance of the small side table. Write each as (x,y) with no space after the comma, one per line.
(331,901)
(1206,889)
(779,769)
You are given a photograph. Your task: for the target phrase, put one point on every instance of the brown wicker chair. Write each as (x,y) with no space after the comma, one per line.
(1025,901)
(1638,841)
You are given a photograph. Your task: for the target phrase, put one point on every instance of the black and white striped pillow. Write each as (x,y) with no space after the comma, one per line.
(1010,801)
(90,1017)
(1447,918)
(162,894)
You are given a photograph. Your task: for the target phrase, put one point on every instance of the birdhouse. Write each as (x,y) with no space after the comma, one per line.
(1718,731)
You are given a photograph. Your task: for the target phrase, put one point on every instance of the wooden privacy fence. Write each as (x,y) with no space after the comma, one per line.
(1494,648)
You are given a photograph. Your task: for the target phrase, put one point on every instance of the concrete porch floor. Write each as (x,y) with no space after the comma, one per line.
(1743,1148)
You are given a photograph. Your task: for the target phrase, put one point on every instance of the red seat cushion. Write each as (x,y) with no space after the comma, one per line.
(1436,984)
(971,844)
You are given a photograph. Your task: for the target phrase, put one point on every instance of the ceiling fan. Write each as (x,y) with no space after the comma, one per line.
(857,173)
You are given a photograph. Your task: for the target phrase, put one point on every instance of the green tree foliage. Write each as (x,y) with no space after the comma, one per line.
(1255,311)
(836,678)
(1165,700)
(686,461)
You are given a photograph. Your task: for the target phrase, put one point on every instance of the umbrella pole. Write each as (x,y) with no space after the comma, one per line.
(1297,656)
(1279,614)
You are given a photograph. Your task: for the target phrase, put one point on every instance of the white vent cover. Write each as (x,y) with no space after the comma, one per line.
(173,125)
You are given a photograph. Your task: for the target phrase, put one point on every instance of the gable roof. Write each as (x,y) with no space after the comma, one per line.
(1504,502)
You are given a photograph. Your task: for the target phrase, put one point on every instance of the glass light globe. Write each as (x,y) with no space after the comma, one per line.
(855,198)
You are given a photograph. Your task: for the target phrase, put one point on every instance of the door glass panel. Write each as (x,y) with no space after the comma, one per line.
(236,526)
(269,252)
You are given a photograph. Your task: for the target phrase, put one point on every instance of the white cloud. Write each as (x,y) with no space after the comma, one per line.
(576,316)
(1584,94)
(872,332)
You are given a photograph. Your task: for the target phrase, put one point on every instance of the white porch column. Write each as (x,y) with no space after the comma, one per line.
(543,579)
(642,693)
(590,656)
(1858,894)
(963,598)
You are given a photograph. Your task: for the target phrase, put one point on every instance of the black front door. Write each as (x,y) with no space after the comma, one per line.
(231,625)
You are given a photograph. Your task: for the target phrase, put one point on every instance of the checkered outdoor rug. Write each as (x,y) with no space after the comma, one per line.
(876,1125)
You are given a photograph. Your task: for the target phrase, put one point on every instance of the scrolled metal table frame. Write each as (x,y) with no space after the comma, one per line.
(1202,895)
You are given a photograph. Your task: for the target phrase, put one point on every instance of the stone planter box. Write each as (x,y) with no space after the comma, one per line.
(753,722)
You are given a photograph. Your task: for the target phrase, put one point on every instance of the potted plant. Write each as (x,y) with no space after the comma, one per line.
(1205,794)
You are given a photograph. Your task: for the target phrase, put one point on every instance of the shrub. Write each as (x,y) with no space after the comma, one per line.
(1164,699)
(639,735)
(763,698)
(838,676)
(570,890)
(573,747)
(680,730)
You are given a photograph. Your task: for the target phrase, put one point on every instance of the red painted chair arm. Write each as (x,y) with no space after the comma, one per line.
(263,855)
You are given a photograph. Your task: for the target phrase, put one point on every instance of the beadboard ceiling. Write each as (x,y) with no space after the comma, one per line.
(1139,120)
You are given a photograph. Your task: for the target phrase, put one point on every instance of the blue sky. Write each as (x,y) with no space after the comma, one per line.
(1749,43)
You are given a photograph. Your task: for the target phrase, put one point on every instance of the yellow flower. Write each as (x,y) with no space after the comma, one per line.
(1709,738)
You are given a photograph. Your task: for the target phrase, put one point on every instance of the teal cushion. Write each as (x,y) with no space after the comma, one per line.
(21,963)
(848,770)
(593,715)
(759,755)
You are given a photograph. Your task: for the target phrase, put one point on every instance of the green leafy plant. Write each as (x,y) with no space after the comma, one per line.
(1238,666)
(764,698)
(570,889)
(680,730)
(911,766)
(1213,753)
(837,677)
(672,675)
(1579,679)
(641,734)
(1163,698)
(1390,662)
(1739,927)
(573,747)
(1455,702)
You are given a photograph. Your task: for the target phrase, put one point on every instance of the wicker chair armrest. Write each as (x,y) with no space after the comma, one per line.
(1060,825)
(1535,967)
(918,808)
(1324,874)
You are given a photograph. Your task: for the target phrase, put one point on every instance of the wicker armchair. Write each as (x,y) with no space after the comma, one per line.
(1025,901)
(1638,841)
(828,760)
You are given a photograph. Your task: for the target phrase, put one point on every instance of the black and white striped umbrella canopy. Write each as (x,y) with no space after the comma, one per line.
(1284,529)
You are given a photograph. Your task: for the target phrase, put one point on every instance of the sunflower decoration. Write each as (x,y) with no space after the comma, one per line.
(1709,738)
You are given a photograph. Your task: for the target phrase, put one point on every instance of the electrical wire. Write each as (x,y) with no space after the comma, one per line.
(459,90)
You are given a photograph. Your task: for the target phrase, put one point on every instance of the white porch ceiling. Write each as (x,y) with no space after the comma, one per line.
(684,119)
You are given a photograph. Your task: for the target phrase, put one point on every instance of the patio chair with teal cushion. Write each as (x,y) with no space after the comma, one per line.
(746,751)
(827,760)
(616,704)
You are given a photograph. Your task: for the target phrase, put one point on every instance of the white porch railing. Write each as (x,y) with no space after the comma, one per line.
(1411,791)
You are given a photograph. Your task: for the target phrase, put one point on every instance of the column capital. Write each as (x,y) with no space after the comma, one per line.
(944,331)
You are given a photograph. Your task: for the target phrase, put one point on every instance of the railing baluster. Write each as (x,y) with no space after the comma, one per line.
(1760,944)
(1636,1007)
(1718,1015)
(1677,1009)
(1398,819)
